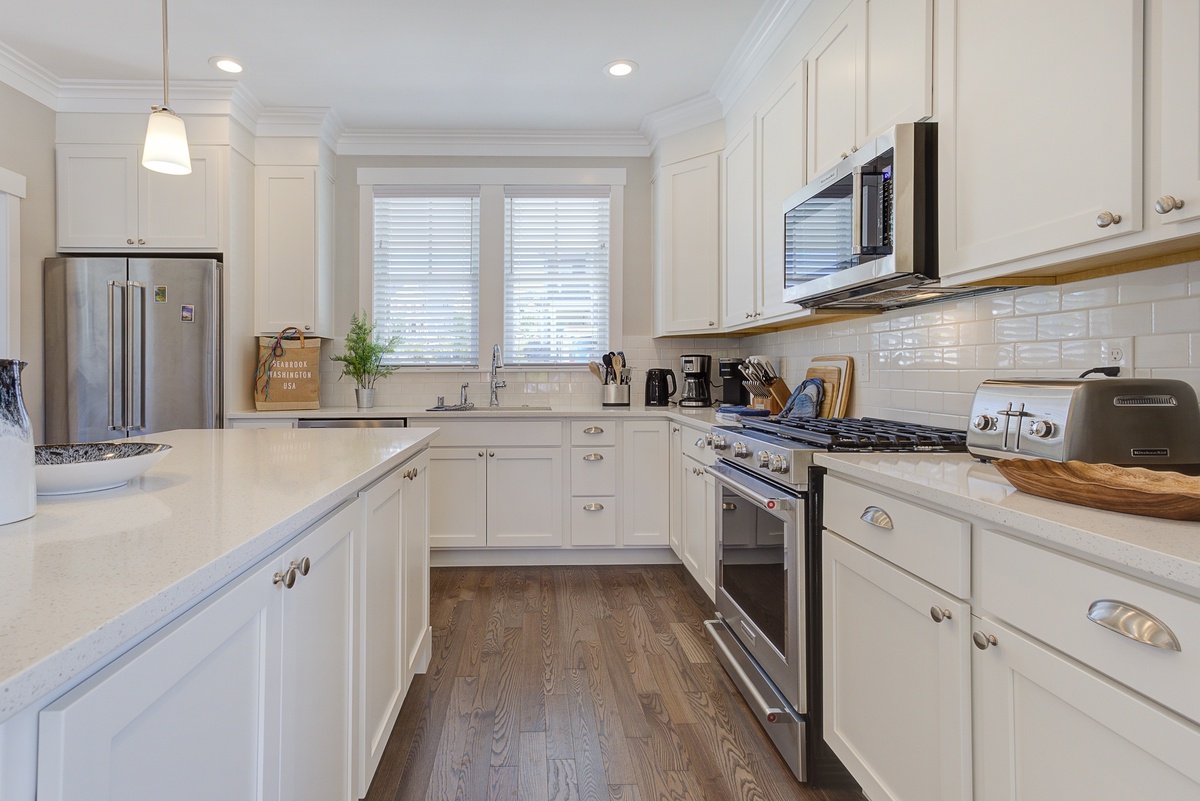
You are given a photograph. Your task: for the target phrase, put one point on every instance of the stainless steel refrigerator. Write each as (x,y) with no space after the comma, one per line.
(133,346)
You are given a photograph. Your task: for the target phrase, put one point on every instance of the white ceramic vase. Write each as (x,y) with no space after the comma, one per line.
(18,490)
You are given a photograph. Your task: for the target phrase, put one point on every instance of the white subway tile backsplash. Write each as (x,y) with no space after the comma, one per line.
(990,306)
(1104,294)
(1064,325)
(1016,329)
(1173,316)
(1124,320)
(1041,301)
(995,357)
(1162,350)
(1158,284)
(1038,355)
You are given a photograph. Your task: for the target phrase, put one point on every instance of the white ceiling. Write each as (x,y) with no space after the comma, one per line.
(406,65)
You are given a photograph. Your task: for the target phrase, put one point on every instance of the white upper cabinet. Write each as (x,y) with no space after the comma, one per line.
(1040,144)
(782,158)
(108,201)
(836,67)
(898,65)
(293,249)
(1175,69)
(739,231)
(686,245)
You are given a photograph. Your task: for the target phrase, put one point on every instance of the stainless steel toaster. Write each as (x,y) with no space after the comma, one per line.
(1132,422)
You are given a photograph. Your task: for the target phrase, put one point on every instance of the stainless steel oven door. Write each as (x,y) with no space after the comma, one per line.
(760,578)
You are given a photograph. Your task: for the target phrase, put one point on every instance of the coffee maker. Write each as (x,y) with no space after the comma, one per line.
(733,391)
(695,369)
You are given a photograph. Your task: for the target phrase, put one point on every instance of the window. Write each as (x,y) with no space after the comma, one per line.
(459,259)
(556,287)
(426,275)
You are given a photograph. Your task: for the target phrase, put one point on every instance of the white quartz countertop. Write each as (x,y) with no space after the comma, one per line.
(88,573)
(700,417)
(1164,551)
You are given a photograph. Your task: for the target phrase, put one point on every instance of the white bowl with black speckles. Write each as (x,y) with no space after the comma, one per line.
(92,466)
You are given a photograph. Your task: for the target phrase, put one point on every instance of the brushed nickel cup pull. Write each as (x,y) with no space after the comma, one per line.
(1136,624)
(593,507)
(593,430)
(593,457)
(938,614)
(983,641)
(876,517)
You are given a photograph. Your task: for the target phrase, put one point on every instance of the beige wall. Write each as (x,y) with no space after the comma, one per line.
(27,148)
(636,294)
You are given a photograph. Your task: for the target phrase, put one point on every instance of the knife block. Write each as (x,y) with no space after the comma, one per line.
(773,403)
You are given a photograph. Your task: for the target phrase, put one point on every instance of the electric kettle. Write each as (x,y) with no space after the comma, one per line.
(657,380)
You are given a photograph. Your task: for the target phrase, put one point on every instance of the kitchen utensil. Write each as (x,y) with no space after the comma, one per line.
(595,368)
(608,363)
(618,364)
(1132,490)
(839,395)
(660,386)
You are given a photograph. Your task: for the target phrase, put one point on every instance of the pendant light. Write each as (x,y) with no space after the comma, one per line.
(166,148)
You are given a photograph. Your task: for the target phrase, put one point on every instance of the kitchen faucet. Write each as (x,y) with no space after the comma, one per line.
(497,362)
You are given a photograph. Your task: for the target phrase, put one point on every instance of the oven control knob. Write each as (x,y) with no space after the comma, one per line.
(763,458)
(1042,429)
(984,422)
(741,450)
(719,443)
(779,464)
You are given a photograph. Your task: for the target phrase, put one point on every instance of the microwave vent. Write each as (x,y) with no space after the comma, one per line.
(1144,400)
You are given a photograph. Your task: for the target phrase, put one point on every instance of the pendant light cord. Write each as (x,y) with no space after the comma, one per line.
(166,103)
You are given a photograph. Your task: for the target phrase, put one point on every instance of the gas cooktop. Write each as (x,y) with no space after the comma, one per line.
(861,434)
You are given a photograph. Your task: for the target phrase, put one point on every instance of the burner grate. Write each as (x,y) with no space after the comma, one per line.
(862,434)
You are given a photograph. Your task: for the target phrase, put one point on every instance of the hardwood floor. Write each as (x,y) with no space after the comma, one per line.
(580,684)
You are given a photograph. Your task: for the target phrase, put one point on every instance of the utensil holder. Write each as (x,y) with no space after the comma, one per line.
(615,395)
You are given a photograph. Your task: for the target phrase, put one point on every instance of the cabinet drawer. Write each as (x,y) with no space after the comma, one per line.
(593,471)
(694,440)
(930,545)
(593,432)
(1049,595)
(515,433)
(594,521)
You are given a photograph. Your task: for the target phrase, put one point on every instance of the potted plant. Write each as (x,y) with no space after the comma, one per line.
(363,359)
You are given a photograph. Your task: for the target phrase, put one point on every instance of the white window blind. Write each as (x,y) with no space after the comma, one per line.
(426,273)
(556,274)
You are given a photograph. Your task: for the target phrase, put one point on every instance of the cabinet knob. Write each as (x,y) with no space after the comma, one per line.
(674,429)
(287,578)
(491,453)
(1167,204)
(938,614)
(303,565)
(593,507)
(983,641)
(711,323)
(308,328)
(141,241)
(845,155)
(876,517)
(481,453)
(128,241)
(1107,218)
(748,315)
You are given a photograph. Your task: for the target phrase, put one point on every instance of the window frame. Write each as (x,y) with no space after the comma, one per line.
(491,182)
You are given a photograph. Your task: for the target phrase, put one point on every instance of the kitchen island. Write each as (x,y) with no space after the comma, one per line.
(98,577)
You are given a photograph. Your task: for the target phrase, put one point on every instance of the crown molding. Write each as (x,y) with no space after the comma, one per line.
(87,96)
(300,121)
(28,78)
(681,117)
(367,142)
(768,31)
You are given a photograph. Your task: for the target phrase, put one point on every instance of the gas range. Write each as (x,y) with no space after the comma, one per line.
(781,449)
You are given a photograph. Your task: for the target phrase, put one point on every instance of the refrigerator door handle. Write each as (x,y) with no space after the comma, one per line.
(113,365)
(136,358)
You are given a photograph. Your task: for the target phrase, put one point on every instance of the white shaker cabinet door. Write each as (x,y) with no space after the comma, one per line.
(96,187)
(835,65)
(739,264)
(782,160)
(316,684)
(182,212)
(457,497)
(418,637)
(1039,145)
(191,714)
(524,497)
(899,64)
(686,245)
(645,478)
(1179,128)
(1048,728)
(897,678)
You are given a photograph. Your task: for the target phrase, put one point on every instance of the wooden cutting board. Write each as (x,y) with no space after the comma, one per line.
(837,372)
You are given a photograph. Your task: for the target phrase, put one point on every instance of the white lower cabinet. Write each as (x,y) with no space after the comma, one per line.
(1048,728)
(247,696)
(645,483)
(391,632)
(698,525)
(896,678)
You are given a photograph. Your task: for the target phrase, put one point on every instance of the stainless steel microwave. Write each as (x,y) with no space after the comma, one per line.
(866,230)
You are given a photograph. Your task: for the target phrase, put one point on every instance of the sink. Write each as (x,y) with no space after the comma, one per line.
(473,408)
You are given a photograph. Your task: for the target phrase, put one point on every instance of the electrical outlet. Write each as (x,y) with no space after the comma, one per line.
(862,369)
(1118,351)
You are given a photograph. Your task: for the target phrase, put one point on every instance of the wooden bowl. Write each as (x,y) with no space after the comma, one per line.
(1133,490)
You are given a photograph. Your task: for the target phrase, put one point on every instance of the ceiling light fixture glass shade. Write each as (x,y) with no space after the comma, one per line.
(225,64)
(619,69)
(166,147)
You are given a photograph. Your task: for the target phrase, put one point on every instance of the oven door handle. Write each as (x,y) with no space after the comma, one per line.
(773,714)
(743,487)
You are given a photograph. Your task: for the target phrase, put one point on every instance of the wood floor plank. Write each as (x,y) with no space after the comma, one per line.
(534,776)
(581,644)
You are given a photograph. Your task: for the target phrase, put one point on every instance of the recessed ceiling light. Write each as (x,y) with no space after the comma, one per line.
(225,64)
(620,69)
